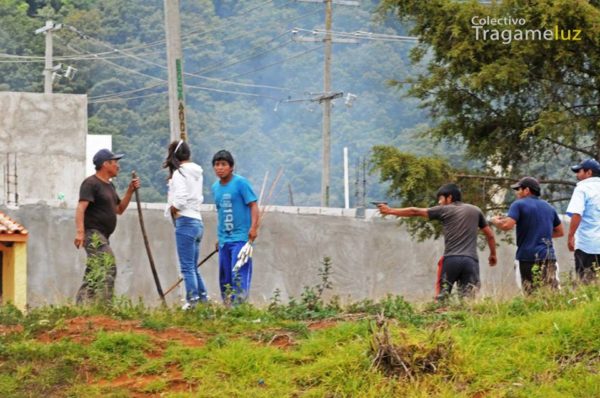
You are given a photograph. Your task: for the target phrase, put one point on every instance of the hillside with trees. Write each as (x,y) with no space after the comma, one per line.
(250,87)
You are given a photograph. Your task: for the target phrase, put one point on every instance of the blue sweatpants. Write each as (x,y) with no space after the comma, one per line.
(235,287)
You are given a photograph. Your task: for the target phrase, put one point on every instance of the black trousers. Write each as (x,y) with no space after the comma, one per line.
(462,270)
(586,265)
(535,274)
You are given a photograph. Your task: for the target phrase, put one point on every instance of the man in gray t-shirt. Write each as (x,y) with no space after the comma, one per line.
(460,223)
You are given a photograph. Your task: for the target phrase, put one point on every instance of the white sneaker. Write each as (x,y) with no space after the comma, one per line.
(187,306)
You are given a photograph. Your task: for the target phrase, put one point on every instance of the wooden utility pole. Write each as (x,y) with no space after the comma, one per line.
(175,71)
(327,96)
(326,106)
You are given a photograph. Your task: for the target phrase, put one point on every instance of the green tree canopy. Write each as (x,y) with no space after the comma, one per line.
(520,106)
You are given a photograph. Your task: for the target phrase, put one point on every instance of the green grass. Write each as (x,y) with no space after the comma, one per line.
(547,345)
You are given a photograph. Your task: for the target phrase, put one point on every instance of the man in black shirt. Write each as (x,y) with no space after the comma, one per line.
(95,220)
(460,222)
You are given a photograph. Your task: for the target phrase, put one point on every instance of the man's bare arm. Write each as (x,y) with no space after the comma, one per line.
(254,214)
(575,221)
(133,185)
(403,212)
(491,240)
(79,225)
(558,231)
(503,223)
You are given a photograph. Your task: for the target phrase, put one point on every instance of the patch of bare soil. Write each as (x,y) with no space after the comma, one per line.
(5,330)
(138,385)
(84,329)
(323,324)
(281,341)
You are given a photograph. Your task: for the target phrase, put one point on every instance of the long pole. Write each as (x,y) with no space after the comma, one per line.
(327,106)
(175,71)
(147,244)
(169,290)
(48,59)
(346,187)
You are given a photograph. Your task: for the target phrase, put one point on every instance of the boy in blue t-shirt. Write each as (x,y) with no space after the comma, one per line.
(237,224)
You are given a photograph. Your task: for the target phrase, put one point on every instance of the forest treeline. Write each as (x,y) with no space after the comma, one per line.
(250,87)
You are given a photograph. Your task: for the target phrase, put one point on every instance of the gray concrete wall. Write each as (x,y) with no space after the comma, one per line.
(47,133)
(371,257)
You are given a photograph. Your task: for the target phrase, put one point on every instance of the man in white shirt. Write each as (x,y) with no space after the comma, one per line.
(584,210)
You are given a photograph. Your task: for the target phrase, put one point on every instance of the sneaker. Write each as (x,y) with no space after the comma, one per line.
(187,306)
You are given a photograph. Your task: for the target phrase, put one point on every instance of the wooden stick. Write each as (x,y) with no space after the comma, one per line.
(197,266)
(262,189)
(269,196)
(147,243)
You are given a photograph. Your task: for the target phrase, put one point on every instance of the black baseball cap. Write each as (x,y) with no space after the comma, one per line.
(588,164)
(103,155)
(528,182)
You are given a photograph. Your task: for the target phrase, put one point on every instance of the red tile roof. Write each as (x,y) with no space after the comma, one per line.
(9,226)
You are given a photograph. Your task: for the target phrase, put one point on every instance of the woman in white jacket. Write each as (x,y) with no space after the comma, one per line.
(184,200)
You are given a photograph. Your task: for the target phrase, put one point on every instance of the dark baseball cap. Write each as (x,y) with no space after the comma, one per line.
(588,164)
(103,155)
(528,182)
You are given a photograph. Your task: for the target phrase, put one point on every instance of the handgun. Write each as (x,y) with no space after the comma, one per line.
(379,202)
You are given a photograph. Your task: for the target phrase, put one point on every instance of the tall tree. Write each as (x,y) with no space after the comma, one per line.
(519,100)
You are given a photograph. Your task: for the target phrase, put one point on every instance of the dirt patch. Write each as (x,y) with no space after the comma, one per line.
(5,330)
(138,385)
(281,341)
(84,329)
(324,324)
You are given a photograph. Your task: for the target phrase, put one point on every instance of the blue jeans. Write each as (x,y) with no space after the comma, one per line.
(235,287)
(188,233)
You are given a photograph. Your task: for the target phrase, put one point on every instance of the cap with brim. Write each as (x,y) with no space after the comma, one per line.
(105,154)
(528,182)
(588,164)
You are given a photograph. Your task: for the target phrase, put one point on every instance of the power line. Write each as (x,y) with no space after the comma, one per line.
(123,53)
(209,68)
(101,101)
(220,67)
(276,63)
(121,93)
(247,33)
(362,35)
(106,99)
(128,70)
(88,57)
(216,90)
(137,58)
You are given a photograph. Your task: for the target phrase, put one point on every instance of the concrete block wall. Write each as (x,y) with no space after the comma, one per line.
(371,257)
(46,134)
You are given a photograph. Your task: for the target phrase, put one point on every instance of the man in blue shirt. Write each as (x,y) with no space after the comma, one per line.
(237,224)
(537,223)
(584,210)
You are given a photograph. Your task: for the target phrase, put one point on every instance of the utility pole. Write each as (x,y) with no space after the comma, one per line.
(346,187)
(327,94)
(175,70)
(326,107)
(48,68)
